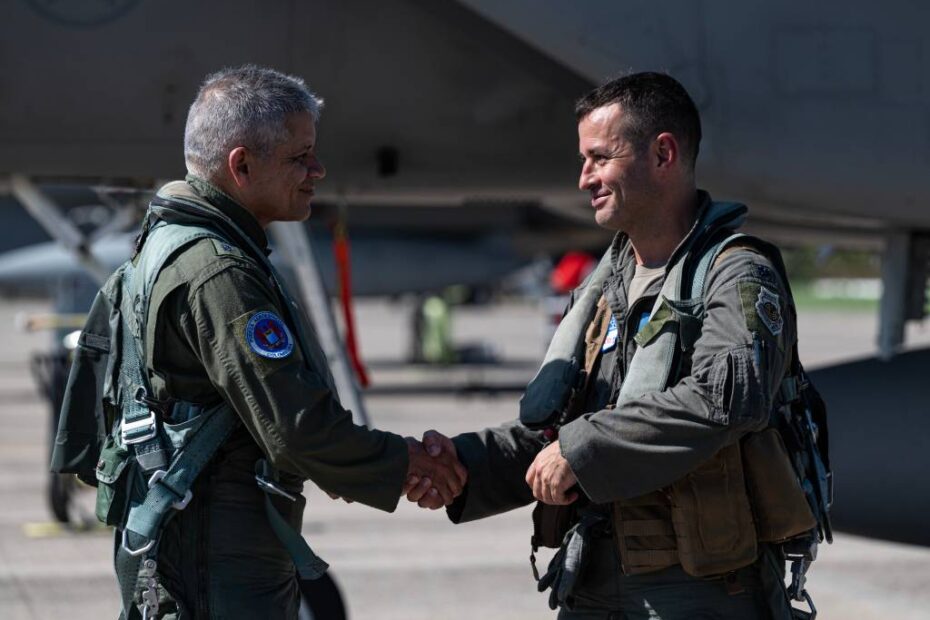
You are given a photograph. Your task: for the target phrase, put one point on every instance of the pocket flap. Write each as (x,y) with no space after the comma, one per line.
(112,462)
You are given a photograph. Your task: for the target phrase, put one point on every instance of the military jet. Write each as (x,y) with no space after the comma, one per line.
(814,114)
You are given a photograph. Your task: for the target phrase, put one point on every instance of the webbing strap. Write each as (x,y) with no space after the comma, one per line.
(707,261)
(309,565)
(139,424)
(145,519)
(651,367)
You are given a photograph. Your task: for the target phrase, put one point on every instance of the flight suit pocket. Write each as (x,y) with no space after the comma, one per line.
(112,483)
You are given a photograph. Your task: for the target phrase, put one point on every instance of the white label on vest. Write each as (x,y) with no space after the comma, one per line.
(610,341)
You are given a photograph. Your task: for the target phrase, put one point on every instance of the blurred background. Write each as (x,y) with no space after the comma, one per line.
(448,230)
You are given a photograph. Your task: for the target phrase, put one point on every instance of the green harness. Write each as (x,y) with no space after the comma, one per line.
(147,466)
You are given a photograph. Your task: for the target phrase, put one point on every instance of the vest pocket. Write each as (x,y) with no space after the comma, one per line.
(778,501)
(112,486)
(712,518)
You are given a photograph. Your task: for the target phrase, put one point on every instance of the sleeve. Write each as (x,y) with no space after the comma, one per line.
(283,401)
(738,363)
(497,460)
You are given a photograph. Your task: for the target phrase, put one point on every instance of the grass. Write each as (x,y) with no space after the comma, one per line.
(806,300)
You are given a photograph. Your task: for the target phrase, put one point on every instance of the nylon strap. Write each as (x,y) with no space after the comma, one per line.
(145,519)
(651,367)
(309,565)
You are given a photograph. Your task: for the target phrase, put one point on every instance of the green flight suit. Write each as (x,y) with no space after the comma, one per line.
(219,558)
(723,391)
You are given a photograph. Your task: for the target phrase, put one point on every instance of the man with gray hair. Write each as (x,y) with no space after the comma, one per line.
(227,383)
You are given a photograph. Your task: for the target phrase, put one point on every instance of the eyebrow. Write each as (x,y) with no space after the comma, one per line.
(302,150)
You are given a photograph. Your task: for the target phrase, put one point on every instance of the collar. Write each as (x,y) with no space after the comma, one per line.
(222,202)
(622,256)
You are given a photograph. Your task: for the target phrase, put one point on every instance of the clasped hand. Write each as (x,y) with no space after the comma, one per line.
(435,476)
(550,477)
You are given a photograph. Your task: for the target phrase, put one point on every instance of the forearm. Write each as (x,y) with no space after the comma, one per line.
(497,460)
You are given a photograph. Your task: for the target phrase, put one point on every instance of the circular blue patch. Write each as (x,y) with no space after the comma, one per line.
(268,335)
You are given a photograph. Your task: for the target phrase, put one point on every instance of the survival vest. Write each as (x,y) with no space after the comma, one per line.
(115,436)
(773,486)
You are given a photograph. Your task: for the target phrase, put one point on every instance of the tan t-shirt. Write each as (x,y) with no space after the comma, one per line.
(642,280)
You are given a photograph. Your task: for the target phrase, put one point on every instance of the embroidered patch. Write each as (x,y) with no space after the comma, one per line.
(765,274)
(610,341)
(768,307)
(223,248)
(268,335)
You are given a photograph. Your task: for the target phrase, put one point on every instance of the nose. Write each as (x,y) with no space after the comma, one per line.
(316,170)
(586,178)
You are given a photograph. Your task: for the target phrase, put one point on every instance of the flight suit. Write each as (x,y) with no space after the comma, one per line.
(219,558)
(725,388)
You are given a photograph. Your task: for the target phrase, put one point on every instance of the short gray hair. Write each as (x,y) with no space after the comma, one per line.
(243,106)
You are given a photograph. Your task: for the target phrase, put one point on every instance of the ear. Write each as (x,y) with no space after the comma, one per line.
(237,163)
(666,151)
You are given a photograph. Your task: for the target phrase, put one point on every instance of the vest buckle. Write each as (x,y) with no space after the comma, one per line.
(140,430)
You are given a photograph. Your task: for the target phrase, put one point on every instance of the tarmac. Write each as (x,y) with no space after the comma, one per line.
(413,563)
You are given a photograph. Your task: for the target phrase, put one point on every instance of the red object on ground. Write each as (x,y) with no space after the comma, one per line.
(571,271)
(343,268)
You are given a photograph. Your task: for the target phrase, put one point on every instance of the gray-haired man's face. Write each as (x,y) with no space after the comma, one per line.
(283,183)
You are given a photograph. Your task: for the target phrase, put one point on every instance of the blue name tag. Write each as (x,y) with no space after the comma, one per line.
(642,322)
(610,341)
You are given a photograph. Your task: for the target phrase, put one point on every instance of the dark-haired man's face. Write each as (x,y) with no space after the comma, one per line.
(616,175)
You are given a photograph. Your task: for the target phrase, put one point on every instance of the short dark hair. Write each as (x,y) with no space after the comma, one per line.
(652,103)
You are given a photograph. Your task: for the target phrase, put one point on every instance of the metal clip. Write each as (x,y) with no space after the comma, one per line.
(140,550)
(270,487)
(178,505)
(146,425)
(149,593)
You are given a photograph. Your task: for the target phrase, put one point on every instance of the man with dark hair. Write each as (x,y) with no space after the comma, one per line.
(639,435)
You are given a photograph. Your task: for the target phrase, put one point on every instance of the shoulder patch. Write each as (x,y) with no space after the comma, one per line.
(268,336)
(765,274)
(223,248)
(768,308)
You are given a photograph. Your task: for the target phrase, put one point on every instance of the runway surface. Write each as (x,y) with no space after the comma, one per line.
(413,563)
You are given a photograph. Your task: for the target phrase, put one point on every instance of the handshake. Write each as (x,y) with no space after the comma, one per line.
(435,476)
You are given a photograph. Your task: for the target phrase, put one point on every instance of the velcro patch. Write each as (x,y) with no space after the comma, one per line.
(223,248)
(768,307)
(268,336)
